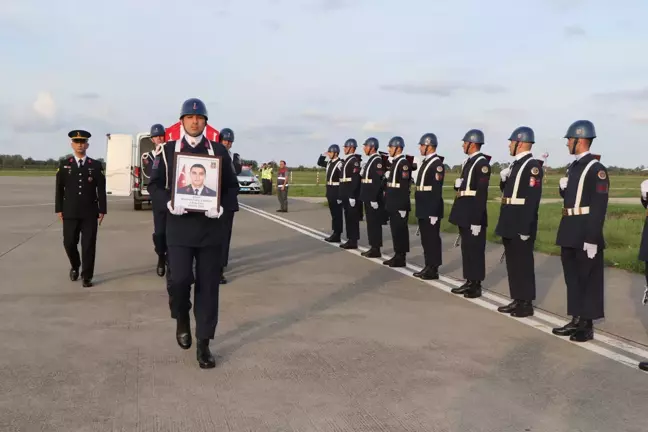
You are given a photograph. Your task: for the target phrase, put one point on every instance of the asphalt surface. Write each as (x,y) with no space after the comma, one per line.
(311,338)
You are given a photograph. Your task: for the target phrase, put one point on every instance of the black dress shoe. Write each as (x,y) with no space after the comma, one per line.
(74,274)
(183,332)
(333,238)
(419,273)
(430,274)
(87,283)
(582,334)
(389,261)
(474,291)
(462,289)
(161,266)
(509,307)
(372,253)
(568,329)
(523,309)
(398,261)
(643,366)
(203,353)
(349,245)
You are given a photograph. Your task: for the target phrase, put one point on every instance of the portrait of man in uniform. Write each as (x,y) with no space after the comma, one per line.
(197,174)
(197,182)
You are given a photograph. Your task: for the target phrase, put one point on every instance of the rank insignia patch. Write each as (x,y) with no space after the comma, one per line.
(485,169)
(535,171)
(602,175)
(440,168)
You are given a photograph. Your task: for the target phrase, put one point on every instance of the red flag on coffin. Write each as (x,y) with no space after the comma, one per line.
(182,178)
(176,132)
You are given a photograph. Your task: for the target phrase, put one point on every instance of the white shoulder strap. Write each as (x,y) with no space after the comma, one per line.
(517,178)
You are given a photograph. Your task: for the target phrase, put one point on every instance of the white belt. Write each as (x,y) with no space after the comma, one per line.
(367,180)
(466,193)
(513,201)
(333,183)
(424,188)
(576,211)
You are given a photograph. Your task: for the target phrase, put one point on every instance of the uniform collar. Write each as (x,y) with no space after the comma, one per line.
(582,155)
(200,189)
(519,156)
(430,156)
(193,141)
(83,159)
(474,155)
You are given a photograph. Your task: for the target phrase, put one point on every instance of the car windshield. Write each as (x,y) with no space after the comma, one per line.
(246,173)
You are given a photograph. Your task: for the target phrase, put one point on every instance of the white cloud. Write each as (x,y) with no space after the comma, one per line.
(371,126)
(45,106)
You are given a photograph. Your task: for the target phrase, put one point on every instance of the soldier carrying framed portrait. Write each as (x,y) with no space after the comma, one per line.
(197,182)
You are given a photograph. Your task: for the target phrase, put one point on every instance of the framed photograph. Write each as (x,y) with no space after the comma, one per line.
(197,181)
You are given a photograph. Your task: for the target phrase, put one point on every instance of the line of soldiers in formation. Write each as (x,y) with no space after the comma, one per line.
(382,186)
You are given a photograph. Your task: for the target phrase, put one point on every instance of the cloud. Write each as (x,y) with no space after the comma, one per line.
(331,5)
(637,94)
(574,31)
(88,95)
(640,117)
(45,106)
(329,120)
(371,126)
(443,89)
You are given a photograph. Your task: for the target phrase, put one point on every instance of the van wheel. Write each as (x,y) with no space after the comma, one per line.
(137,205)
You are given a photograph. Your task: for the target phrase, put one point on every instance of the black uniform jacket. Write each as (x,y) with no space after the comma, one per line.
(429,188)
(582,222)
(469,207)
(333,172)
(398,182)
(521,193)
(230,202)
(193,229)
(371,178)
(350,179)
(80,192)
(643,248)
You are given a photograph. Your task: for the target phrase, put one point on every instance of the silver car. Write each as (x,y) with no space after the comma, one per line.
(248,182)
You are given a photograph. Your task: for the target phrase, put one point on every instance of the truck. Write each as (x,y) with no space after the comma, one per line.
(127,172)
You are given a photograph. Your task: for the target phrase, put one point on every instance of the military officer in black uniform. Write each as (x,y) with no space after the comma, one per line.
(372,196)
(397,201)
(521,186)
(429,205)
(230,206)
(350,194)
(80,203)
(333,173)
(194,235)
(159,198)
(469,213)
(643,251)
(580,233)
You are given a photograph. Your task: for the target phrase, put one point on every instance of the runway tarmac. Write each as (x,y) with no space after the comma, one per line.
(310,338)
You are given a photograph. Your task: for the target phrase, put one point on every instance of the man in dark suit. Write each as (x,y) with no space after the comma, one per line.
(197,186)
(81,204)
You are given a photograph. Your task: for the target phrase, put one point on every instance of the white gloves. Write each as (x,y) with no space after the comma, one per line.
(590,249)
(352,202)
(524,237)
(402,213)
(458,183)
(563,183)
(214,213)
(644,188)
(505,173)
(339,201)
(386,173)
(374,205)
(475,229)
(178,211)
(433,219)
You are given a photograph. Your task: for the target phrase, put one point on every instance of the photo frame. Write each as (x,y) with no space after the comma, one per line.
(199,173)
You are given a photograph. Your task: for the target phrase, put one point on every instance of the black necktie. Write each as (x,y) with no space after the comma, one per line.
(80,163)
(195,191)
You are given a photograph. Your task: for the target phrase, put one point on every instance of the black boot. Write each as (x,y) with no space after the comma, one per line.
(421,272)
(183,332)
(203,354)
(475,290)
(74,274)
(568,329)
(372,252)
(584,332)
(350,244)
(398,260)
(161,266)
(523,309)
(333,238)
(223,279)
(643,366)
(431,273)
(461,289)
(509,307)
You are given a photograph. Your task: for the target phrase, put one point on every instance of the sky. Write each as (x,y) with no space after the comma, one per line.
(291,77)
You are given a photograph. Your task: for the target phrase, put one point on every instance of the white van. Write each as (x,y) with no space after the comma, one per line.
(126,173)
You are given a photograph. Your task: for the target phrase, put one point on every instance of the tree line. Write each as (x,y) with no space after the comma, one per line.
(20,162)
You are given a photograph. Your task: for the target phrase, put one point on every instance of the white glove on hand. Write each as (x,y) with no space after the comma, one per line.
(563,183)
(505,173)
(386,173)
(352,202)
(458,183)
(590,249)
(524,237)
(644,188)
(214,213)
(339,201)
(402,213)
(374,205)
(475,229)
(178,211)
(433,219)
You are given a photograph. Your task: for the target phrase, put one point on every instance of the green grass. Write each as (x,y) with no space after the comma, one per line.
(27,172)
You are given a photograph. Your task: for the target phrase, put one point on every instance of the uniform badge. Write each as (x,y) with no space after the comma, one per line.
(485,169)
(602,175)
(535,171)
(357,164)
(379,166)
(89,179)
(405,168)
(405,174)
(533,182)
(438,176)
(440,168)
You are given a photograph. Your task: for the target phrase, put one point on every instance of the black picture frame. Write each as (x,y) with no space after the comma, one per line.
(204,160)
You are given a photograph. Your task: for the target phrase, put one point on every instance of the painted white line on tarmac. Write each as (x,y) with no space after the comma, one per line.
(444,284)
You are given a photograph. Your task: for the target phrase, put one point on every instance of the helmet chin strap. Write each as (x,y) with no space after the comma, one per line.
(573,147)
(515,149)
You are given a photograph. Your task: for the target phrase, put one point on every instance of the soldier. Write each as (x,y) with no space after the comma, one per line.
(350,194)
(159,198)
(195,235)
(231,204)
(580,233)
(282,187)
(397,201)
(643,251)
(80,202)
(371,194)
(521,188)
(429,205)
(333,171)
(469,213)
